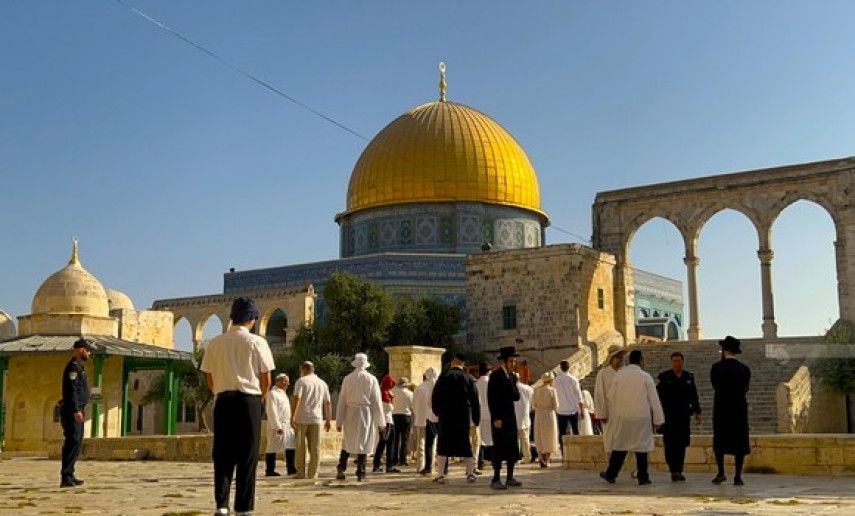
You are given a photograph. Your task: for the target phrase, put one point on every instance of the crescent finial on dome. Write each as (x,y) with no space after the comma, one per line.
(75,260)
(442,83)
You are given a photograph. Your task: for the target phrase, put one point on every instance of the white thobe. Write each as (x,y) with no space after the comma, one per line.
(633,409)
(522,407)
(359,412)
(485,424)
(605,378)
(422,410)
(278,409)
(586,426)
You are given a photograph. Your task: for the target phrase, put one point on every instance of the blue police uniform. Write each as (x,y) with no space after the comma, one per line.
(75,396)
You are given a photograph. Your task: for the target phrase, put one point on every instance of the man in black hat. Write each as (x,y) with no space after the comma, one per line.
(237,366)
(75,396)
(502,392)
(455,402)
(730,379)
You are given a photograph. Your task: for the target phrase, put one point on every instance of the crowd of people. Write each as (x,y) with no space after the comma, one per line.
(496,418)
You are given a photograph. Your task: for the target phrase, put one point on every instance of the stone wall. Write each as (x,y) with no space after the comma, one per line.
(562,295)
(412,361)
(146,326)
(67,324)
(178,448)
(806,454)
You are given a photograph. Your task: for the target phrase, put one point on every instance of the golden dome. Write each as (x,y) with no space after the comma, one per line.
(443,152)
(71,290)
(118,300)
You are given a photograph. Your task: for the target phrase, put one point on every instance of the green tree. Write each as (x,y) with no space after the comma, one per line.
(839,373)
(358,314)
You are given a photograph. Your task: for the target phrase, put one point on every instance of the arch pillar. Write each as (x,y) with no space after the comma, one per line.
(694,331)
(766,254)
(624,298)
(845,258)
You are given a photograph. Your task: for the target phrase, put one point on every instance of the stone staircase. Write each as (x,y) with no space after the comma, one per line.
(766,374)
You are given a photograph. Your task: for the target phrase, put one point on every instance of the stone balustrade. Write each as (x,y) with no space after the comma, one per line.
(801,454)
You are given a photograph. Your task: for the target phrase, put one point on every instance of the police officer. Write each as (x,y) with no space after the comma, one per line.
(679,396)
(75,396)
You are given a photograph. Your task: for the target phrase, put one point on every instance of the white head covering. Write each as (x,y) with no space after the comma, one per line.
(431,374)
(360,361)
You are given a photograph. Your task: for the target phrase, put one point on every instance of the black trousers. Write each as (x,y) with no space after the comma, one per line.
(402,438)
(385,443)
(360,463)
(563,421)
(270,462)
(616,459)
(675,452)
(72,431)
(430,438)
(237,434)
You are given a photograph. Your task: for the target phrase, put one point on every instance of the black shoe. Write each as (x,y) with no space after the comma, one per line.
(425,472)
(67,482)
(719,479)
(360,477)
(512,482)
(393,470)
(497,484)
(738,482)
(644,482)
(607,478)
(77,481)
(676,477)
(377,469)
(340,474)
(272,474)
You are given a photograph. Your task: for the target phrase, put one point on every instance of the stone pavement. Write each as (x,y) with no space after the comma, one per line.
(30,486)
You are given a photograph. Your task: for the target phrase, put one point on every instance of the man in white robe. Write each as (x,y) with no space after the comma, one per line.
(633,413)
(280,435)
(522,407)
(482,436)
(605,378)
(359,414)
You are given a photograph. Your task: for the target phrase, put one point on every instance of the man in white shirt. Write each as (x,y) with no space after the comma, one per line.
(359,415)
(522,407)
(569,402)
(483,437)
(237,367)
(424,422)
(311,407)
(280,435)
(402,416)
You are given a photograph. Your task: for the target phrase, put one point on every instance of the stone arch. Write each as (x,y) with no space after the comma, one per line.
(640,220)
(793,197)
(802,301)
(273,326)
(707,213)
(182,334)
(201,332)
(7,326)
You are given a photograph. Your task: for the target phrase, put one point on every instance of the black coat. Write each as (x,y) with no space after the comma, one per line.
(75,387)
(455,402)
(502,392)
(730,379)
(679,397)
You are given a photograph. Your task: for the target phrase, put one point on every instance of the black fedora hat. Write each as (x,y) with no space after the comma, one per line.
(731,344)
(507,352)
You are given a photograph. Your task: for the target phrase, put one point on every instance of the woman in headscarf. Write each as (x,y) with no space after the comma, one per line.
(386,438)
(545,403)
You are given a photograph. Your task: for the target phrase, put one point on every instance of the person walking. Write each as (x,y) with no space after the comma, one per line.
(730,379)
(359,415)
(679,397)
(502,392)
(483,438)
(545,403)
(522,408)
(402,417)
(633,399)
(569,402)
(455,402)
(237,366)
(424,421)
(386,438)
(75,396)
(311,407)
(586,423)
(604,380)
(280,435)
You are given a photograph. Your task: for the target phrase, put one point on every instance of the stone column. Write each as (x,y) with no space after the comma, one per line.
(770,329)
(692,262)
(412,361)
(624,299)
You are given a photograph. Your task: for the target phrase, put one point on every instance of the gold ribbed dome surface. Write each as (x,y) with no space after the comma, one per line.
(71,290)
(443,152)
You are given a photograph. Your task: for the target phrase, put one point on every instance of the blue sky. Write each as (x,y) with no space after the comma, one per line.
(171,168)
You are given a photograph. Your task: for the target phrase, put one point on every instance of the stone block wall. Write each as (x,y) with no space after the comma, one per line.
(412,361)
(563,296)
(146,326)
(805,454)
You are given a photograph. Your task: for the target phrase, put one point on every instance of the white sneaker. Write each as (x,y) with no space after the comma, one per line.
(222,511)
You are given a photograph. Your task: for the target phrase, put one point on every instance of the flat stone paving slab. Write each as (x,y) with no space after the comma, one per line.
(30,486)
